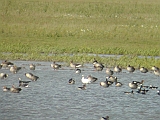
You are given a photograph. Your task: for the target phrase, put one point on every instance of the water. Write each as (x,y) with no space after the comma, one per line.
(51,97)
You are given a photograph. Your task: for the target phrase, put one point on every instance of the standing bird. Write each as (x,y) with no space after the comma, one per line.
(75,65)
(130,69)
(32,67)
(55,66)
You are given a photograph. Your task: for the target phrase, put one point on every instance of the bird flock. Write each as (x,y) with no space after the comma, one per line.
(111,79)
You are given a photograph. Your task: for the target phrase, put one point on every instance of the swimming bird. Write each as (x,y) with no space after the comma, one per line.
(129,92)
(142,91)
(104,84)
(31,76)
(118,84)
(55,66)
(32,67)
(6,64)
(158,92)
(20,81)
(105,118)
(5,89)
(133,85)
(75,65)
(15,89)
(157,72)
(83,87)
(98,66)
(92,79)
(117,69)
(111,78)
(71,81)
(14,69)
(3,75)
(138,83)
(130,69)
(154,68)
(109,71)
(153,87)
(78,71)
(143,70)
(85,80)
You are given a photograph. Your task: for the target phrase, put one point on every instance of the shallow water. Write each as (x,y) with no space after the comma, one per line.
(51,97)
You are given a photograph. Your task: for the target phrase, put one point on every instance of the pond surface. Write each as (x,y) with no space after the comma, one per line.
(51,97)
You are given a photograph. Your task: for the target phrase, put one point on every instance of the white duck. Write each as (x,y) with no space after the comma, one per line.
(85,80)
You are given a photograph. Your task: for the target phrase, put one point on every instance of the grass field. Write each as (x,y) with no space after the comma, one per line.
(123,27)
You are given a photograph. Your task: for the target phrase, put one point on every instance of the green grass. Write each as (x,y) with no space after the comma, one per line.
(121,27)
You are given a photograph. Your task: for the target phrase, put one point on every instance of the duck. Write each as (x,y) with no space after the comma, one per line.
(6,64)
(5,89)
(133,85)
(117,69)
(55,66)
(78,71)
(3,75)
(129,92)
(105,118)
(111,78)
(75,65)
(158,92)
(92,79)
(118,84)
(31,76)
(71,81)
(15,89)
(85,80)
(143,70)
(14,69)
(32,67)
(130,69)
(109,71)
(157,72)
(83,87)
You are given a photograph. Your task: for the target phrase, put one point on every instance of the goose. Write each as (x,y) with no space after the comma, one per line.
(5,89)
(98,66)
(117,69)
(158,92)
(138,83)
(111,78)
(75,65)
(23,85)
(83,87)
(92,79)
(104,84)
(130,69)
(109,71)
(118,84)
(55,66)
(129,92)
(15,89)
(14,69)
(157,72)
(133,85)
(32,67)
(31,76)
(3,75)
(78,71)
(153,87)
(6,64)
(143,70)
(154,68)
(71,81)
(85,80)
(20,81)
(105,118)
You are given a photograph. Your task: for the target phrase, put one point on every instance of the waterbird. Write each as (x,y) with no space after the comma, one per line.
(143,70)
(3,75)
(5,89)
(15,89)
(91,78)
(85,80)
(109,71)
(158,92)
(129,92)
(157,72)
(133,85)
(78,71)
(104,84)
(153,87)
(55,66)
(31,76)
(6,64)
(14,69)
(75,65)
(20,81)
(111,78)
(130,69)
(32,66)
(154,68)
(105,118)
(117,69)
(83,87)
(98,66)
(118,84)
(71,81)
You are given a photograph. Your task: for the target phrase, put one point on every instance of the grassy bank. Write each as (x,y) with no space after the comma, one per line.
(29,28)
